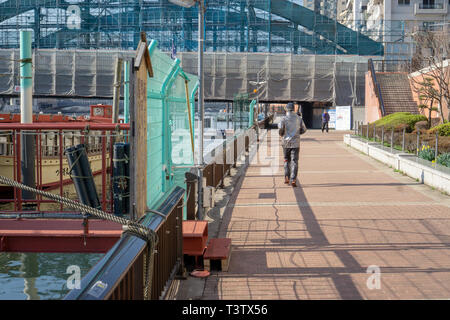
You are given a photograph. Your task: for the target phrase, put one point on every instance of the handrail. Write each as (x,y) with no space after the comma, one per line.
(377,87)
(102,280)
(65,126)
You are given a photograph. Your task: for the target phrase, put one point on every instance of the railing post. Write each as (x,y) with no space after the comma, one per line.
(403,139)
(367,130)
(235,152)
(392,140)
(382,135)
(418,140)
(436,145)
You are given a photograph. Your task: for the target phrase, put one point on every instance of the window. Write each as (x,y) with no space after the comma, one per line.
(403,2)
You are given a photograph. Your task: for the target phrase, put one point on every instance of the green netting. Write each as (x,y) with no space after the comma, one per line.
(251,117)
(169,137)
(243,112)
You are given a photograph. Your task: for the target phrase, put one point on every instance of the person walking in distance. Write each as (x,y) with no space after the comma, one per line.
(325,120)
(290,128)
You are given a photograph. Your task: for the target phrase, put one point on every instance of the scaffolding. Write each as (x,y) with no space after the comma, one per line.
(278,26)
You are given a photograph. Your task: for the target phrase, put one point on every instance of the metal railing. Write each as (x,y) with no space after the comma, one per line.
(119,275)
(401,140)
(377,87)
(431,5)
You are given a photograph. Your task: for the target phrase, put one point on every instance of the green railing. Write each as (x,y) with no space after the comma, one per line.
(170,95)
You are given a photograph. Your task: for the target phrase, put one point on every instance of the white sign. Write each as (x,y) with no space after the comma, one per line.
(74,281)
(343,118)
(332,122)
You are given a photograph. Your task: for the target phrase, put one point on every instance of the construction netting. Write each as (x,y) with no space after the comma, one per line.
(170,112)
(281,77)
(72,73)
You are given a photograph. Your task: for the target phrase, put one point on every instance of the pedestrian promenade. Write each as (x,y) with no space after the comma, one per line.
(316,241)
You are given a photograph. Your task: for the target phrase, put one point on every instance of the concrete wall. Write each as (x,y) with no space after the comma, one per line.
(418,77)
(372,110)
(409,164)
(358,115)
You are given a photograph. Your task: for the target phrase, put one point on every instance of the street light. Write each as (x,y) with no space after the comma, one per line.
(258,85)
(201,109)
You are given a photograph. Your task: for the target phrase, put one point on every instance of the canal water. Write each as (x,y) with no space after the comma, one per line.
(44,276)
(40,276)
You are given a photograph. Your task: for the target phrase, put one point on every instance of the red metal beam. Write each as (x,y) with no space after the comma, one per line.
(65,126)
(57,235)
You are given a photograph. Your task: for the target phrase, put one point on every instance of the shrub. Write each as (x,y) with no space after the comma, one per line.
(443,129)
(397,119)
(426,153)
(444,159)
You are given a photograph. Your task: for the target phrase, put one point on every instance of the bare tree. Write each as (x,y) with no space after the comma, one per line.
(432,83)
(428,95)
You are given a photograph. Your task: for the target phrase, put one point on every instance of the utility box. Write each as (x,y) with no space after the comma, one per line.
(195,237)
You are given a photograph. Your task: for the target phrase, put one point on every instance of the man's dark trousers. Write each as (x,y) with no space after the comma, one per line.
(325,125)
(291,163)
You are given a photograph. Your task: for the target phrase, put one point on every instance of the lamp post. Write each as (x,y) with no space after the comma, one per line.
(201,109)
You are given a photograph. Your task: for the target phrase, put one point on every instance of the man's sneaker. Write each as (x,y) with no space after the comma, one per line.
(286,180)
(294,184)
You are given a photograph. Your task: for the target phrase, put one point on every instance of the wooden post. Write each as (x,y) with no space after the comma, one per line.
(141,69)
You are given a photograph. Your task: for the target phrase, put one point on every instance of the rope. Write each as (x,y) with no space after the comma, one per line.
(128,225)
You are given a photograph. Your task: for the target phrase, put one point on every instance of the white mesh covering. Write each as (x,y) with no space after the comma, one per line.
(85,73)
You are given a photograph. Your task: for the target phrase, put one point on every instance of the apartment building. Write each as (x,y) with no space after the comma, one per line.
(329,8)
(394,21)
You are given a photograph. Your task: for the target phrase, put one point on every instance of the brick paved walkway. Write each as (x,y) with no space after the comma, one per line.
(316,241)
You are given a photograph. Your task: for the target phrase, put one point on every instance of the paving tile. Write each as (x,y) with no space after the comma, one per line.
(317,241)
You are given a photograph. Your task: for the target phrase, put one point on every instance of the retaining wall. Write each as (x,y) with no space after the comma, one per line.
(434,175)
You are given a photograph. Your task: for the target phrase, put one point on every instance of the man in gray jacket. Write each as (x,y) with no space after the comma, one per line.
(290,129)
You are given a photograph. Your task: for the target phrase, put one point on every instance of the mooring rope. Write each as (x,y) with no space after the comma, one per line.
(128,225)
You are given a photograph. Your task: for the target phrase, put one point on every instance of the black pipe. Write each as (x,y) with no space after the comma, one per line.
(27,160)
(76,174)
(127,174)
(121,177)
(88,180)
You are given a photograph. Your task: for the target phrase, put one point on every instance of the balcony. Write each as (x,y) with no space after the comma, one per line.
(427,9)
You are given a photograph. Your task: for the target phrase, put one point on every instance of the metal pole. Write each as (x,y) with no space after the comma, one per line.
(126,91)
(228,115)
(116,93)
(26,113)
(403,139)
(367,130)
(392,140)
(382,135)
(26,81)
(436,146)
(418,140)
(200,104)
